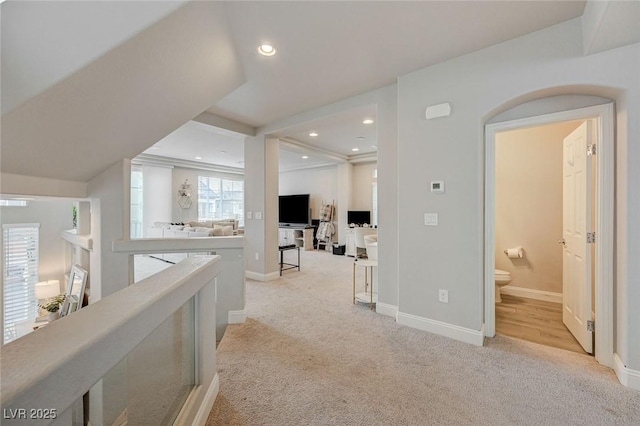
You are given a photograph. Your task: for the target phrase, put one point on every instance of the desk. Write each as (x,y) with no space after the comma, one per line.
(368,296)
(289,265)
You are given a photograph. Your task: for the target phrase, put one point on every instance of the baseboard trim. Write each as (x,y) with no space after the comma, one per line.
(202,413)
(530,293)
(237,317)
(262,277)
(386,309)
(628,377)
(467,335)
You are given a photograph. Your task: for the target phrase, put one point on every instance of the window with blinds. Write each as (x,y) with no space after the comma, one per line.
(20,270)
(136,201)
(220,198)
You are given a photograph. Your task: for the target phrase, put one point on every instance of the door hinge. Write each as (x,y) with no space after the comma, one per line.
(591,237)
(591,149)
(591,325)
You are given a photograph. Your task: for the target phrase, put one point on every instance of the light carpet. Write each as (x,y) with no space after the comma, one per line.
(307,356)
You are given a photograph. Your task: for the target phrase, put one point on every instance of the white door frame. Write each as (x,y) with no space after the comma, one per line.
(604,117)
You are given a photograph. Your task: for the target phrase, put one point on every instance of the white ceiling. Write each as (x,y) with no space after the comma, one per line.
(49,32)
(194,139)
(329,51)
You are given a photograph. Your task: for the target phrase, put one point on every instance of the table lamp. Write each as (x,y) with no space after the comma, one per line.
(47,289)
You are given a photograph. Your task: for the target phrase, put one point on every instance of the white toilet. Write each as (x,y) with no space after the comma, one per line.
(502,278)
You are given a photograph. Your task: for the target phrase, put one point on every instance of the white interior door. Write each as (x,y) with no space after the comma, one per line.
(576,222)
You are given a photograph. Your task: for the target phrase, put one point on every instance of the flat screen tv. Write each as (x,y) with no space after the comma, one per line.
(294,210)
(358,217)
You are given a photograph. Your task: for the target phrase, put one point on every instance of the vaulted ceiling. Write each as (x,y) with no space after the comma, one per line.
(85,84)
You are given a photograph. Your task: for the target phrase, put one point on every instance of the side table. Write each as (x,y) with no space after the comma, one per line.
(368,296)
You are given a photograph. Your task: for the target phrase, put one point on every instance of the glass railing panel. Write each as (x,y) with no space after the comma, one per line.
(146,265)
(151,384)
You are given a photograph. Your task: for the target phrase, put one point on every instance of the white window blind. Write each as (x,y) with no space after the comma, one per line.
(220,198)
(20,269)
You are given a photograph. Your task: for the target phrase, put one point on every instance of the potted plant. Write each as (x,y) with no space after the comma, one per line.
(52,306)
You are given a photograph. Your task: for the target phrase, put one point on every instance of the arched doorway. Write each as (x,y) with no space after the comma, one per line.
(603,116)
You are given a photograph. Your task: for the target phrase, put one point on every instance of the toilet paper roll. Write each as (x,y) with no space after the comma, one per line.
(515,253)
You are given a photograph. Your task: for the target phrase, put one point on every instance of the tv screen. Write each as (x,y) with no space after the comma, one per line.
(294,209)
(358,217)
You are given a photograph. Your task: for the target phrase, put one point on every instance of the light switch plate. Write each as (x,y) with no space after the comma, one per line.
(437,186)
(431,219)
(249,215)
(258,215)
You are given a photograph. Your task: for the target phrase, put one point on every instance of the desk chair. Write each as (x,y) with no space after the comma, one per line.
(361,245)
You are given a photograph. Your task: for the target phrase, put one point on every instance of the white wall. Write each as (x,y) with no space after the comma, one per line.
(110,213)
(529,204)
(54,216)
(361,196)
(320,183)
(261,155)
(479,86)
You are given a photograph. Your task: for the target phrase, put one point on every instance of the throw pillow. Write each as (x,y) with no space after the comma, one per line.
(196,224)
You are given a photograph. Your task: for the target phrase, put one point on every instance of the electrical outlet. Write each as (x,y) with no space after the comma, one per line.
(443,296)
(249,215)
(257,256)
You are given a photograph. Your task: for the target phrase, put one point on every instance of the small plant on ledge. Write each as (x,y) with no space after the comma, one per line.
(52,305)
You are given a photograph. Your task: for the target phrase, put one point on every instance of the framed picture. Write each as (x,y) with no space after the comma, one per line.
(75,291)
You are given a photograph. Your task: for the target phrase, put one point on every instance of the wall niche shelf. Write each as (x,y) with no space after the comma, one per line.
(82,241)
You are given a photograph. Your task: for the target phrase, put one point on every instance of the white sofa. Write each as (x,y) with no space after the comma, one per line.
(210,228)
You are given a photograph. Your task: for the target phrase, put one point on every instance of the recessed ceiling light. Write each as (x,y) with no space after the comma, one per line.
(223,152)
(355,149)
(305,157)
(313,134)
(198,158)
(266,50)
(368,121)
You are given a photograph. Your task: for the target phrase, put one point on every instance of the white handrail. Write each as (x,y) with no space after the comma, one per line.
(177,245)
(230,291)
(53,367)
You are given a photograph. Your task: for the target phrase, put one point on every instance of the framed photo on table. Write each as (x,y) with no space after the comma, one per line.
(75,291)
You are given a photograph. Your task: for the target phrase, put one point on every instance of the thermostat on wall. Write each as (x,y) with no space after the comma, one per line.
(437,186)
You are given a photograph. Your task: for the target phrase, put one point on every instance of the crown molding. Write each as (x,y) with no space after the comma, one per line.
(297,146)
(156,160)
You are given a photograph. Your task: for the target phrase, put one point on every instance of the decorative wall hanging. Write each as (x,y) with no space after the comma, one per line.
(184,195)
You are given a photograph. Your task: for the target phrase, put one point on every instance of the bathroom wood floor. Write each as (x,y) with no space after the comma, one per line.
(536,321)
